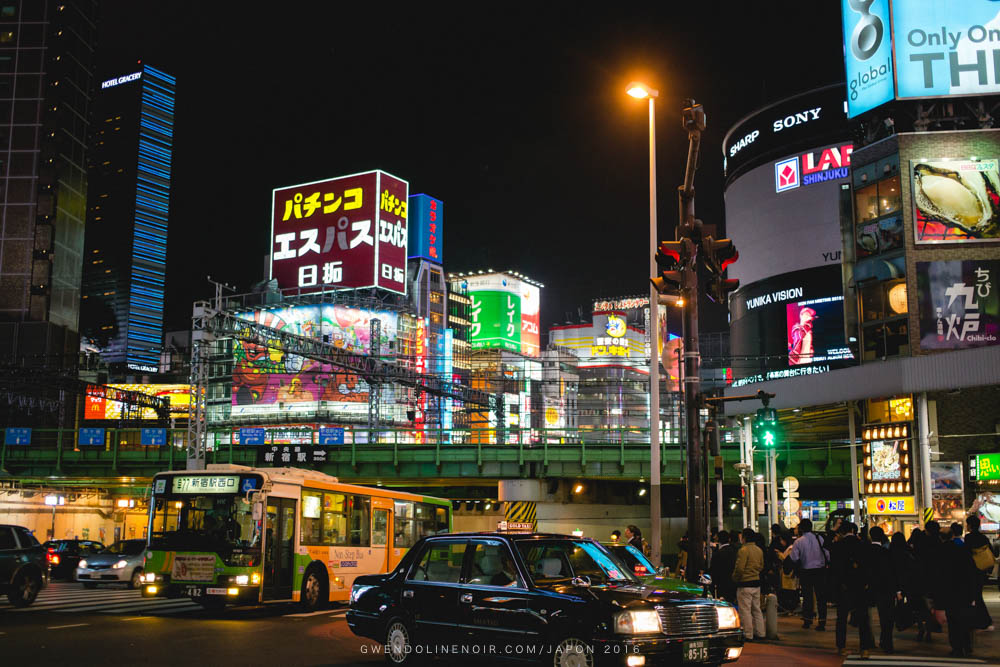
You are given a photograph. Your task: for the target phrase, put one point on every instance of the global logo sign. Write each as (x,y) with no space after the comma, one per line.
(786,174)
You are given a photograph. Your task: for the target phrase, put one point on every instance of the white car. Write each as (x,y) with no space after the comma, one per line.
(121,562)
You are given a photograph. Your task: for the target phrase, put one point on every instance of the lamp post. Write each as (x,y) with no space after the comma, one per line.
(642,91)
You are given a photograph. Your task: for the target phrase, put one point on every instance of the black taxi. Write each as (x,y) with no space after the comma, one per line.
(566,601)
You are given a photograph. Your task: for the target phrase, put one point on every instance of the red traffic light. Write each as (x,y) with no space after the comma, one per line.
(670,254)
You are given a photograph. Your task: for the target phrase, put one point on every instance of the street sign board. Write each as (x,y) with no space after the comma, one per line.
(153,437)
(17,436)
(252,435)
(331,435)
(91,436)
(984,467)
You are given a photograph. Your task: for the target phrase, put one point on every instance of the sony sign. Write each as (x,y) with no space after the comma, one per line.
(796,119)
(122,79)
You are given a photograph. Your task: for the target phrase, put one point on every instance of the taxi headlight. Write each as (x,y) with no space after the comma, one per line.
(82,564)
(120,564)
(357,590)
(728,618)
(635,622)
(242,579)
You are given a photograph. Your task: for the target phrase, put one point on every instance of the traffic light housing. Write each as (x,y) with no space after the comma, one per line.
(718,254)
(672,257)
(765,428)
(718,289)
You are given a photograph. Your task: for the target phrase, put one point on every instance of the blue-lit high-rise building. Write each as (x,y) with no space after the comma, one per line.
(128,207)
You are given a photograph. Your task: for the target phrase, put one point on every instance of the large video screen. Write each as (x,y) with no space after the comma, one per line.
(269,380)
(785,215)
(789,325)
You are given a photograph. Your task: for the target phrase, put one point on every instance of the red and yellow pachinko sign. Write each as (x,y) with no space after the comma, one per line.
(344,232)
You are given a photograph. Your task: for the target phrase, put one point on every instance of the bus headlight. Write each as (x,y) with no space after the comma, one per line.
(149,577)
(635,622)
(242,580)
(728,618)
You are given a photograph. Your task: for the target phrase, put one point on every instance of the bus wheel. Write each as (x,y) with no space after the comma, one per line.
(315,588)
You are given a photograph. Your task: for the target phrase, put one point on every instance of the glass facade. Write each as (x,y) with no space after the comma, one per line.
(127,218)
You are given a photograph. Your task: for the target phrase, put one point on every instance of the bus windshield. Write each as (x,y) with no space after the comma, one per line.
(211,521)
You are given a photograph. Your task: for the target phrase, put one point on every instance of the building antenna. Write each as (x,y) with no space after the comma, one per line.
(218,291)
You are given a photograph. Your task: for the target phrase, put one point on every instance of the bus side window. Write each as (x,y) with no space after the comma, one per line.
(403,533)
(360,521)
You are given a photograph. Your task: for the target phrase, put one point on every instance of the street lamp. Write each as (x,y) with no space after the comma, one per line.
(642,91)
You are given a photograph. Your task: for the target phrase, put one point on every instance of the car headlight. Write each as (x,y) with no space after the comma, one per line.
(357,590)
(82,564)
(120,564)
(728,618)
(636,622)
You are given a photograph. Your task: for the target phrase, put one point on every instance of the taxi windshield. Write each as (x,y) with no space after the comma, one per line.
(550,561)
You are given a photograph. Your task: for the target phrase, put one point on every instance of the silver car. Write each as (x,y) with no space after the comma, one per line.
(121,562)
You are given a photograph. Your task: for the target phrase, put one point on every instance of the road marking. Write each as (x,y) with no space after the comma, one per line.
(308,613)
(135,618)
(72,625)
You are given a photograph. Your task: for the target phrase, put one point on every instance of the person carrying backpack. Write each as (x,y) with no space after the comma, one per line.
(984,558)
(851,572)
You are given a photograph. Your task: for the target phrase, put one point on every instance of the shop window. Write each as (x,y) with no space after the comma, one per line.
(884,323)
(878,223)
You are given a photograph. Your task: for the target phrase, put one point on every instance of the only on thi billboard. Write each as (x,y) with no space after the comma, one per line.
(345,232)
(504,314)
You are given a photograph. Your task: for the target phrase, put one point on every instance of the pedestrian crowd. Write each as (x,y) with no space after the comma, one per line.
(930,583)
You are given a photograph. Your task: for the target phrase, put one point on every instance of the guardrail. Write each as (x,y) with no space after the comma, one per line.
(394,454)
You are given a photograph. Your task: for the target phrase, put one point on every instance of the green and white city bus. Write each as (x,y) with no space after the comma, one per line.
(239,534)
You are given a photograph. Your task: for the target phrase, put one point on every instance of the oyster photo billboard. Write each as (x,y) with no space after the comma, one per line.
(955,201)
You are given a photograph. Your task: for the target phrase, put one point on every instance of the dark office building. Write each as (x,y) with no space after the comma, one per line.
(127,217)
(46,68)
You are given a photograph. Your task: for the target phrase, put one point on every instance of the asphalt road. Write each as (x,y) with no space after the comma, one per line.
(69,625)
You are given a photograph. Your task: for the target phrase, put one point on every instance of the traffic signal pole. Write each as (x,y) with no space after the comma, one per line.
(688,227)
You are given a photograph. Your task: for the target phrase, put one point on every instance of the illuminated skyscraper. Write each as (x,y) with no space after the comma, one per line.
(127,217)
(46,68)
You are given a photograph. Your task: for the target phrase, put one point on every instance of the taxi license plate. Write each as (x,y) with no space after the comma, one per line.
(696,651)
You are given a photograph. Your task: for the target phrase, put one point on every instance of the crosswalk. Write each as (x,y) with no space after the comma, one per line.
(69,597)
(912,661)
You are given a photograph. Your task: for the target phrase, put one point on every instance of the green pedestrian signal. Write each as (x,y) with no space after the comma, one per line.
(769,438)
(765,427)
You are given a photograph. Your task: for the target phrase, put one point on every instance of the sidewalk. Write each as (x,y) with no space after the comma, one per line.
(985,643)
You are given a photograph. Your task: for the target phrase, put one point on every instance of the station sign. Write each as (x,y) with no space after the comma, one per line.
(878,505)
(282,455)
(984,467)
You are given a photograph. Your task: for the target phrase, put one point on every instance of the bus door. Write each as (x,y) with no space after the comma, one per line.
(279,548)
(380,537)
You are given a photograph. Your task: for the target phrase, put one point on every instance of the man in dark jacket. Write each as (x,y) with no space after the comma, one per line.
(958,593)
(850,565)
(722,566)
(885,586)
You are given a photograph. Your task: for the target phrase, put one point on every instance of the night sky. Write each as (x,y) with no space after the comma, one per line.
(515,117)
